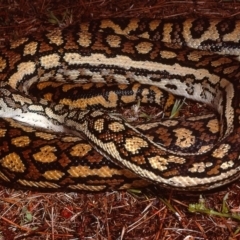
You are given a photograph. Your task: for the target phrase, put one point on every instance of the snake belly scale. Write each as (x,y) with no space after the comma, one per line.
(48,145)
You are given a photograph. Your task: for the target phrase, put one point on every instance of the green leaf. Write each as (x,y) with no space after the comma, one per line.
(176,107)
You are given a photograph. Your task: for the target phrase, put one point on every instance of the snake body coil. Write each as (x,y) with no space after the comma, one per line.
(49,152)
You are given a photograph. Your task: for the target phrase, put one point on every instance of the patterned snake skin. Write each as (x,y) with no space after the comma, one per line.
(54,136)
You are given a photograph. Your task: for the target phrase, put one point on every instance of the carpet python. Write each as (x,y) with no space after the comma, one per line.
(59,139)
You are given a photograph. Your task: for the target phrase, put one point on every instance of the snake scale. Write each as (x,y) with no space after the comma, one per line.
(48,144)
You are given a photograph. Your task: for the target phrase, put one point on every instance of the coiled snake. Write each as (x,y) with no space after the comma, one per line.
(58,145)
